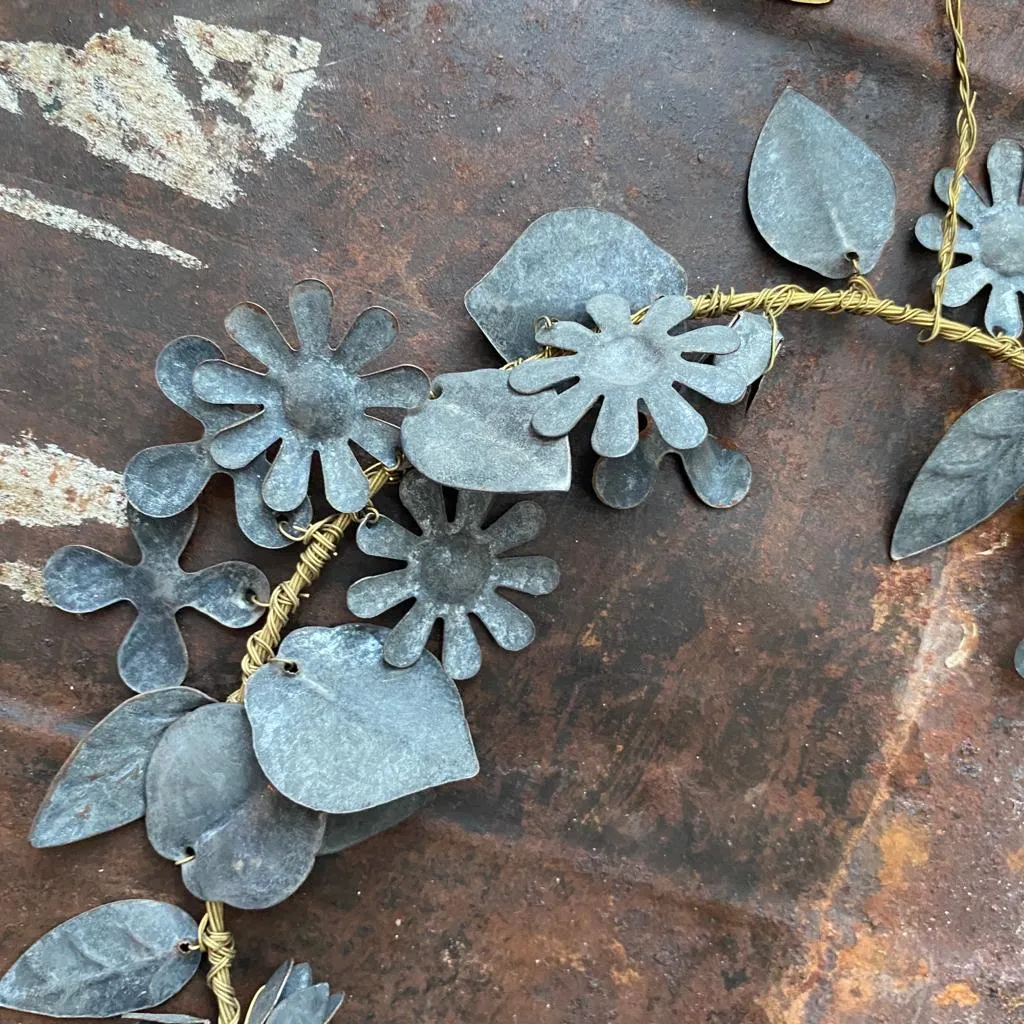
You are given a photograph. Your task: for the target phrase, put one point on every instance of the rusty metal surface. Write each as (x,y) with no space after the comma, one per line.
(749,771)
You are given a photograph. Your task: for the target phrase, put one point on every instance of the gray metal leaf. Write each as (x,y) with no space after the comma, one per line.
(720,476)
(974,470)
(111,960)
(345,830)
(165,480)
(559,262)
(340,730)
(209,805)
(153,654)
(101,786)
(300,976)
(266,999)
(817,193)
(307,1006)
(476,435)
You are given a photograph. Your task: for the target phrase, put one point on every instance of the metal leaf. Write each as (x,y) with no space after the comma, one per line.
(101,786)
(266,999)
(817,193)
(476,435)
(559,262)
(974,470)
(113,959)
(345,830)
(209,805)
(340,730)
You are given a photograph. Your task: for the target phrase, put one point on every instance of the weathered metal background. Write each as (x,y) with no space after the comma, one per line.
(749,770)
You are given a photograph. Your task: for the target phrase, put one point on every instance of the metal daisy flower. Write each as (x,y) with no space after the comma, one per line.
(993,239)
(313,399)
(630,366)
(452,571)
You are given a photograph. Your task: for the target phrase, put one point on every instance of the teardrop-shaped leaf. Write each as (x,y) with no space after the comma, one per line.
(111,960)
(973,471)
(818,194)
(102,785)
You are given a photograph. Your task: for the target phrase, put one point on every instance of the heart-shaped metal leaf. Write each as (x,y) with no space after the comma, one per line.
(475,435)
(345,830)
(974,470)
(210,808)
(113,959)
(337,729)
(559,262)
(102,785)
(818,194)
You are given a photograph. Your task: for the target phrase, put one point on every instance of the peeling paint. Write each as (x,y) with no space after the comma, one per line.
(120,96)
(26,579)
(22,203)
(40,485)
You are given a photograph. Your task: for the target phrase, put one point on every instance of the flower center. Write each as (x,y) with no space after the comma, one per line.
(1002,240)
(624,356)
(320,399)
(454,569)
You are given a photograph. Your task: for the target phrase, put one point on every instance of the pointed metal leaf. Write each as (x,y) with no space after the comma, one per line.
(817,193)
(559,262)
(111,960)
(102,785)
(974,470)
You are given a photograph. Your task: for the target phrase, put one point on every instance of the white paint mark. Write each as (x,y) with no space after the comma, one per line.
(28,206)
(275,71)
(40,485)
(8,98)
(120,96)
(26,579)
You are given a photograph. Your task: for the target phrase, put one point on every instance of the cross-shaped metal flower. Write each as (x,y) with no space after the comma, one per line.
(153,653)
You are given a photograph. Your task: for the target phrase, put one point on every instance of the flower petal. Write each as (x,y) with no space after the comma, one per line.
(520,524)
(162,541)
(175,366)
(152,654)
(345,484)
(373,595)
(608,311)
(928,230)
(667,312)
(164,480)
(715,382)
(258,522)
(373,332)
(971,206)
(617,431)
(965,281)
(386,539)
(312,306)
(405,643)
(1003,310)
(510,626)
(400,387)
(542,374)
(717,340)
(226,593)
(556,417)
(80,579)
(424,501)
(286,486)
(470,508)
(377,438)
(252,328)
(239,445)
(227,384)
(529,574)
(568,335)
(677,421)
(1006,171)
(460,651)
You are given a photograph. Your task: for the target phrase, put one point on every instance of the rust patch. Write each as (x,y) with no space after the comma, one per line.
(957,993)
(903,846)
